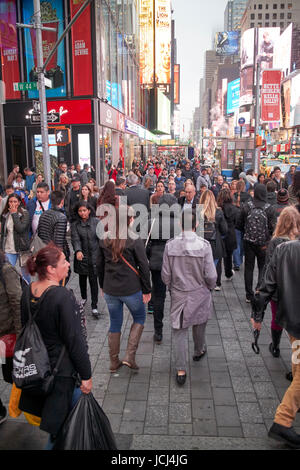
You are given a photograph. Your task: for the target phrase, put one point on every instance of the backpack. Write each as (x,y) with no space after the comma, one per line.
(210,233)
(256,226)
(31,365)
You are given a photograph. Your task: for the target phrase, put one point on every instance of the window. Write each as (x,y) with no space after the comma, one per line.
(282,16)
(252,16)
(260,6)
(259,25)
(254,7)
(282,6)
(289,16)
(290,6)
(274,24)
(259,16)
(274,16)
(251,25)
(267,16)
(267,24)
(274,6)
(282,25)
(267,6)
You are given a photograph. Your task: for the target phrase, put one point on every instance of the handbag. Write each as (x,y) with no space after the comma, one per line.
(9,341)
(129,265)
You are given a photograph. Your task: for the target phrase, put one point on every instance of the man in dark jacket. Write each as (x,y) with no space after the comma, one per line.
(38,205)
(282,278)
(53,224)
(279,179)
(257,220)
(282,201)
(190,200)
(271,195)
(72,198)
(135,194)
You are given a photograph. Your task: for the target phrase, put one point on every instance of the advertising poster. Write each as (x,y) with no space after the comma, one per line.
(286,111)
(247,48)
(265,48)
(176,84)
(9,49)
(270,96)
(52,17)
(81,50)
(224,155)
(163,42)
(246,91)
(283,51)
(146,42)
(227,43)
(163,113)
(295,101)
(233,95)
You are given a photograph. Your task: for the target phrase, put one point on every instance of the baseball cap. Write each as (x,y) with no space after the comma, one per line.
(75,178)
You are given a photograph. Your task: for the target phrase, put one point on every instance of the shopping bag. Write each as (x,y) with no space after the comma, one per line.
(13,406)
(9,341)
(34,420)
(86,428)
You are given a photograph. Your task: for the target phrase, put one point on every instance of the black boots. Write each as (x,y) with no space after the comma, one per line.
(274,346)
(286,435)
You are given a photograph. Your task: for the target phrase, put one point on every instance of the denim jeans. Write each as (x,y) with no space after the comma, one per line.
(12,258)
(133,302)
(239,251)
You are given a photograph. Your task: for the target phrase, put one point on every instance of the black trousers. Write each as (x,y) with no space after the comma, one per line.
(93,280)
(253,252)
(158,299)
(227,267)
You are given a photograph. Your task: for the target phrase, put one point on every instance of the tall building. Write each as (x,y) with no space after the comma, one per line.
(265,13)
(233,14)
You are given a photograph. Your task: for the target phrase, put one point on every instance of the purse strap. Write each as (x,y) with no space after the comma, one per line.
(129,265)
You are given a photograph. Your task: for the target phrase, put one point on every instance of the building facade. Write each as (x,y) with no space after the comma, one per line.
(233,14)
(265,13)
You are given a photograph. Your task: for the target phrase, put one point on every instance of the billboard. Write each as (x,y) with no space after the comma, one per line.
(295,101)
(286,108)
(246,91)
(9,53)
(81,50)
(146,42)
(176,84)
(163,41)
(163,113)
(265,47)
(233,95)
(283,51)
(227,43)
(270,95)
(52,16)
(247,48)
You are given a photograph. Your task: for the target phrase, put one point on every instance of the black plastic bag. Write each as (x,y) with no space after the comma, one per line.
(86,428)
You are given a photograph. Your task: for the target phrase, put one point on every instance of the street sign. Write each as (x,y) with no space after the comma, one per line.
(36,106)
(62,136)
(25,86)
(242,121)
(35,118)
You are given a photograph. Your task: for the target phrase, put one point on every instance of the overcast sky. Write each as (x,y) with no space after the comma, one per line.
(195,23)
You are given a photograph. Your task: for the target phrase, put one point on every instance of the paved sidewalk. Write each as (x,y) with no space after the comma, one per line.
(228,401)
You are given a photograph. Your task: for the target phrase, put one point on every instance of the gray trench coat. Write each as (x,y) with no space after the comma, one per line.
(189,273)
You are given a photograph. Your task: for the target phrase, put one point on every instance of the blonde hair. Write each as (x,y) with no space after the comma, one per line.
(209,205)
(288,223)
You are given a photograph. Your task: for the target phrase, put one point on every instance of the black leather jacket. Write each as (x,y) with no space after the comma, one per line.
(282,276)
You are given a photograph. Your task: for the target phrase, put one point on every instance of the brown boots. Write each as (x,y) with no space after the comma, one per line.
(132,345)
(114,349)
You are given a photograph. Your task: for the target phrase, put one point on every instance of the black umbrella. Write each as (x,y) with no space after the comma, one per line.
(255,346)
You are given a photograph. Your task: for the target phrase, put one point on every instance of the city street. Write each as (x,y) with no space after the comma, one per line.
(228,401)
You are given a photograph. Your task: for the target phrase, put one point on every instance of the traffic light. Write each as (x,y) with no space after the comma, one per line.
(259,141)
(62,136)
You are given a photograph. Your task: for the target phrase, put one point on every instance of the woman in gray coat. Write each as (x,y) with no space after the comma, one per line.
(189,273)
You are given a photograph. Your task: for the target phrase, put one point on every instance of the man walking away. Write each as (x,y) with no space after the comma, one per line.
(189,273)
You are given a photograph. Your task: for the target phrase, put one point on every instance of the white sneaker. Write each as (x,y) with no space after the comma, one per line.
(95,313)
(217,288)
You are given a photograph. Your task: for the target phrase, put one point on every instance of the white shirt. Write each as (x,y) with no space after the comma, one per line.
(37,213)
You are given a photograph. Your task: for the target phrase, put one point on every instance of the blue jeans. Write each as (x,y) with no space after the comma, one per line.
(12,258)
(133,302)
(239,251)
(76,395)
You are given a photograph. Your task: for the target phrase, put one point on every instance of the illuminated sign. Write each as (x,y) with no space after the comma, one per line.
(163,41)
(233,95)
(176,84)
(146,42)
(227,43)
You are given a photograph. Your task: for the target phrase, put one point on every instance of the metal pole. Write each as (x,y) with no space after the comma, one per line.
(257,101)
(172,75)
(42,92)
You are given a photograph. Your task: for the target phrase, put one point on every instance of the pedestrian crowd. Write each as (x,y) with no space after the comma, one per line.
(182,223)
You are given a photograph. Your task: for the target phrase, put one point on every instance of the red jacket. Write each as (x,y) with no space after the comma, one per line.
(157,171)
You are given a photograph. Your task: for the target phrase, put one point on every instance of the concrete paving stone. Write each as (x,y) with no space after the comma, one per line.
(143,360)
(137,391)
(159,379)
(180,429)
(233,355)
(238,369)
(227,416)
(254,430)
(281,391)
(200,373)
(114,403)
(229,333)
(158,396)
(250,413)
(201,390)
(161,365)
(268,407)
(242,384)
(265,390)
(230,431)
(131,427)
(157,416)
(274,364)
(259,374)
(179,394)
(115,421)
(19,435)
(215,351)
(134,410)
(278,379)
(218,365)
(142,375)
(213,340)
(203,409)
(117,384)
(220,379)
(155,430)
(253,359)
(180,413)
(145,348)
(205,427)
(223,396)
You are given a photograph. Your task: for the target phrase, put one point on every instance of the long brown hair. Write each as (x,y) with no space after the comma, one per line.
(210,206)
(114,242)
(288,223)
(240,188)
